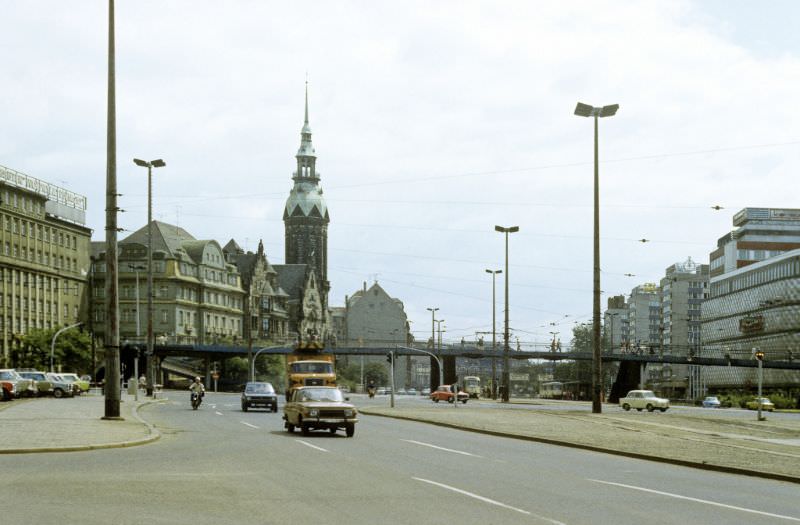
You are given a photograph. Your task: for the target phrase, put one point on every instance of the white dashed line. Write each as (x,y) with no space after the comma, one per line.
(487,500)
(245,423)
(218,413)
(440,448)
(310,445)
(697,500)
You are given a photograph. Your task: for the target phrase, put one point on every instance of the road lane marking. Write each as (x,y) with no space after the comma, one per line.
(218,413)
(698,500)
(245,423)
(441,448)
(306,443)
(487,500)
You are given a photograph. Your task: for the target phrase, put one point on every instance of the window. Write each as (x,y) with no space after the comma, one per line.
(164,316)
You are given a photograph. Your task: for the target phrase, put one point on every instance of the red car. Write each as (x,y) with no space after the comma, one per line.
(445,393)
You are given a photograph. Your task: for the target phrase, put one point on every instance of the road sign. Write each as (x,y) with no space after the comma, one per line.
(215,376)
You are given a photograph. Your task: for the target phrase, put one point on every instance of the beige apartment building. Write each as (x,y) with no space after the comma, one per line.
(44,258)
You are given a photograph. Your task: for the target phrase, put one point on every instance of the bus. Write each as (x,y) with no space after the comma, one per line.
(551,390)
(472,386)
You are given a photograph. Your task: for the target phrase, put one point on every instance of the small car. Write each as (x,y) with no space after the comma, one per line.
(712,402)
(62,387)
(643,399)
(766,404)
(259,394)
(21,386)
(83,386)
(411,391)
(319,407)
(43,386)
(445,393)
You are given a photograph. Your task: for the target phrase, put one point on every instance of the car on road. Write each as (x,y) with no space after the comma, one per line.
(411,391)
(766,404)
(21,386)
(62,387)
(643,399)
(445,393)
(711,402)
(259,394)
(43,386)
(83,386)
(319,408)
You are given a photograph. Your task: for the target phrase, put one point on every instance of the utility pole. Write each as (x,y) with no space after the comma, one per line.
(506,371)
(494,332)
(112,386)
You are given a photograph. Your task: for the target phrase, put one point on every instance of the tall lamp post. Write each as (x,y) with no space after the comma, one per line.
(584,110)
(151,369)
(433,342)
(506,375)
(494,332)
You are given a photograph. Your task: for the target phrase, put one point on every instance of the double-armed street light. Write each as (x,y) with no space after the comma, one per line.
(585,110)
(506,373)
(494,332)
(151,370)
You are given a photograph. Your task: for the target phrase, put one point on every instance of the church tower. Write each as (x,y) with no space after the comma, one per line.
(305,216)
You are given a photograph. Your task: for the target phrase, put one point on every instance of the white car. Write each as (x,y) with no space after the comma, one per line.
(640,399)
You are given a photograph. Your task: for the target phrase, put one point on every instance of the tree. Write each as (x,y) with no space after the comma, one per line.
(72,350)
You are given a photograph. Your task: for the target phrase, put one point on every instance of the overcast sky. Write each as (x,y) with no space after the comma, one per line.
(432,122)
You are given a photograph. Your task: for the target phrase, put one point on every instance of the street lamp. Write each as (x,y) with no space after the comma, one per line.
(585,110)
(53,342)
(433,343)
(158,163)
(506,380)
(136,268)
(494,333)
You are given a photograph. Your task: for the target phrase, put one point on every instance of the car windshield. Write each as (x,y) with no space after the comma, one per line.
(259,388)
(7,374)
(70,377)
(648,393)
(321,394)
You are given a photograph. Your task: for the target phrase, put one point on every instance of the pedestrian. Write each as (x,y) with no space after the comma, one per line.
(142,381)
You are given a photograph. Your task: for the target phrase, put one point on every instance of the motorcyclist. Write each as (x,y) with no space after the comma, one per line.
(197,387)
(371,388)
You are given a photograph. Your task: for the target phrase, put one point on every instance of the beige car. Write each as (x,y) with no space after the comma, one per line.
(643,399)
(319,407)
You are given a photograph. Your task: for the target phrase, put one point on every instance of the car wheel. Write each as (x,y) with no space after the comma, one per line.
(289,428)
(350,429)
(244,407)
(450,400)
(626,406)
(650,407)
(58,393)
(638,409)
(274,408)
(435,399)
(464,401)
(663,409)
(332,430)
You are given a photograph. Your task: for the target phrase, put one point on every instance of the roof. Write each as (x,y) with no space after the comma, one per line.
(166,237)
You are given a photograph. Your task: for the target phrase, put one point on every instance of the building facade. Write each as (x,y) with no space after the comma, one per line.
(305,216)
(197,295)
(266,314)
(758,234)
(756,307)
(615,324)
(683,289)
(44,258)
(308,318)
(644,318)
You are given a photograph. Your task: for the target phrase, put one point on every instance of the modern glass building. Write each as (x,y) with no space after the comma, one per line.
(754,307)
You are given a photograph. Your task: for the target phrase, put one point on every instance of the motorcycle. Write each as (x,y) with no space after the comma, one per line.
(371,391)
(197,398)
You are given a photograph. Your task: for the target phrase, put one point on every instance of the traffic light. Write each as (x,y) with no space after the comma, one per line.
(389,357)
(759,355)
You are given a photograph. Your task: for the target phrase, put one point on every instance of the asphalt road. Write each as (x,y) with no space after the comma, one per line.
(220,465)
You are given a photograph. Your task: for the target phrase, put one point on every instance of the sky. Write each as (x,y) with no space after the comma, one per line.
(432,123)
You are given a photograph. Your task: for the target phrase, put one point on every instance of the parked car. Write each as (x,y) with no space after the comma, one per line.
(259,394)
(411,391)
(62,387)
(712,402)
(319,407)
(425,391)
(445,393)
(43,386)
(83,386)
(401,392)
(641,399)
(21,386)
(766,404)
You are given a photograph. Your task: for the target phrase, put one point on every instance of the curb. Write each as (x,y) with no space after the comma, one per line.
(154,436)
(634,455)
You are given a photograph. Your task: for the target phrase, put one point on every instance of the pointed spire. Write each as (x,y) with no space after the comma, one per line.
(306,120)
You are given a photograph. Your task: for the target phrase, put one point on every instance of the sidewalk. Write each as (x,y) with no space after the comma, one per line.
(69,424)
(703,439)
